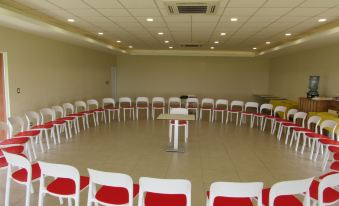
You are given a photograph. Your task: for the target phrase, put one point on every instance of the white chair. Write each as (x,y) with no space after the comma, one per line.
(109,105)
(164,192)
(283,193)
(81,107)
(125,103)
(265,109)
(234,193)
(158,103)
(251,108)
(272,118)
(115,188)
(221,105)
(207,104)
(332,140)
(26,175)
(173,102)
(324,192)
(69,111)
(181,123)
(236,108)
(70,121)
(279,121)
(299,119)
(67,182)
(192,104)
(10,148)
(93,105)
(48,117)
(142,103)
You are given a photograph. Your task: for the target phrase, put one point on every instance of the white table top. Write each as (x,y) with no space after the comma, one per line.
(176,117)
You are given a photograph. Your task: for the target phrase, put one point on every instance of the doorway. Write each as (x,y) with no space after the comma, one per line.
(4,101)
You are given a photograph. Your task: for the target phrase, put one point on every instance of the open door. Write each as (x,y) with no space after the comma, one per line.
(3,117)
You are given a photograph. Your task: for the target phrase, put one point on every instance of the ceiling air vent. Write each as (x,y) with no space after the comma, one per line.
(179,7)
(191,45)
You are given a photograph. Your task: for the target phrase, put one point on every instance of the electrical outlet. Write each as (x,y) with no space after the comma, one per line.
(30,124)
(18,90)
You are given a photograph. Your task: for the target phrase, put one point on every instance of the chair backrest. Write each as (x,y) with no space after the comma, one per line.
(313,120)
(174,100)
(158,100)
(290,114)
(254,105)
(80,106)
(32,117)
(108,101)
(19,161)
(237,103)
(47,114)
(266,107)
(58,111)
(164,186)
(329,181)
(59,171)
(221,102)
(7,128)
(110,179)
(207,101)
(142,100)
(193,102)
(17,122)
(178,111)
(125,100)
(330,125)
(68,107)
(236,190)
(293,187)
(300,115)
(281,109)
(91,103)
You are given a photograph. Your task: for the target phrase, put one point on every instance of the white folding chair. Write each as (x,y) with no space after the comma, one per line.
(221,105)
(181,123)
(158,103)
(142,103)
(115,188)
(164,192)
(108,104)
(125,103)
(324,192)
(93,105)
(251,108)
(236,108)
(207,104)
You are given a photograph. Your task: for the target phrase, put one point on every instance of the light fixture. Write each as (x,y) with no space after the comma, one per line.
(216,42)
(288,34)
(130,46)
(222,34)
(170,47)
(149,19)
(254,48)
(71,20)
(268,42)
(118,41)
(322,20)
(100,33)
(160,33)
(166,41)
(233,19)
(212,47)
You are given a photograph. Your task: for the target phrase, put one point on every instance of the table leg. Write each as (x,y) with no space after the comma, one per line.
(176,128)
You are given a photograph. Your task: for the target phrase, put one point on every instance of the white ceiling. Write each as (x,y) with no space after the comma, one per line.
(125,20)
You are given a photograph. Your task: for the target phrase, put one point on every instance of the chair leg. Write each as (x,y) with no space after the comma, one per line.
(170,133)
(32,146)
(28,194)
(8,186)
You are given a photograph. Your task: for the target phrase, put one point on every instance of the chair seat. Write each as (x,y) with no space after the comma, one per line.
(283,200)
(66,119)
(271,117)
(181,122)
(158,107)
(21,175)
(248,113)
(30,133)
(330,195)
(99,110)
(219,109)
(327,174)
(43,126)
(281,120)
(206,108)
(315,135)
(16,140)
(65,186)
(13,150)
(111,108)
(88,112)
(302,129)
(3,162)
(156,199)
(335,166)
(76,115)
(233,110)
(290,124)
(127,107)
(57,122)
(328,141)
(224,201)
(259,114)
(115,195)
(334,149)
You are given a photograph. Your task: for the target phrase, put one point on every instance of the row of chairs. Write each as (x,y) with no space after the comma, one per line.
(109,188)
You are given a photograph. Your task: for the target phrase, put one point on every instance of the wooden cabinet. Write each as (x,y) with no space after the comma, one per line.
(309,105)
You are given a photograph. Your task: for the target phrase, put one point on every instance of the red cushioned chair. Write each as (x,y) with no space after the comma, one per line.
(287,119)
(251,108)
(81,107)
(164,192)
(26,175)
(109,105)
(67,184)
(207,104)
(234,193)
(173,102)
(192,104)
(221,105)
(60,116)
(323,192)
(158,103)
(274,117)
(125,103)
(14,149)
(48,117)
(299,119)
(115,188)
(265,110)
(236,108)
(93,105)
(141,103)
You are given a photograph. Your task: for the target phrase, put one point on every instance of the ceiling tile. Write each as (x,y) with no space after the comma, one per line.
(145,12)
(104,4)
(269,12)
(236,12)
(137,4)
(306,11)
(283,3)
(67,4)
(320,3)
(245,3)
(114,12)
(123,19)
(38,4)
(84,12)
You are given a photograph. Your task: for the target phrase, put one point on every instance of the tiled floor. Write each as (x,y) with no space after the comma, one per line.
(215,152)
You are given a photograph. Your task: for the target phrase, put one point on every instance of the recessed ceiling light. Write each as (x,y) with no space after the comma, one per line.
(118,41)
(70,20)
(170,47)
(322,20)
(254,48)
(216,42)
(268,42)
(166,41)
(212,47)
(130,46)
(288,34)
(149,19)
(161,33)
(100,33)
(222,33)
(234,19)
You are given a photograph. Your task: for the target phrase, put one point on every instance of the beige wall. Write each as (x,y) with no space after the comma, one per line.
(289,74)
(218,77)
(50,72)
